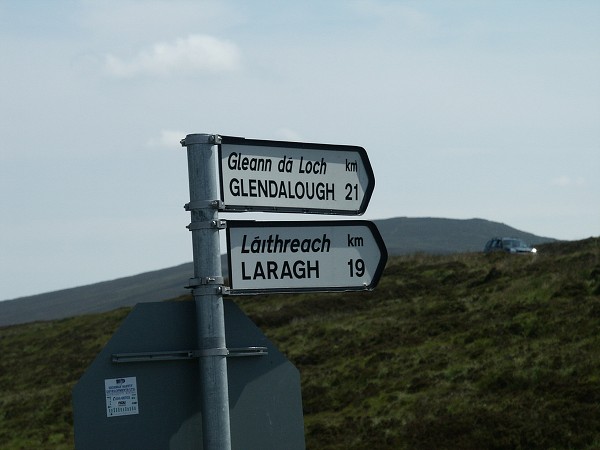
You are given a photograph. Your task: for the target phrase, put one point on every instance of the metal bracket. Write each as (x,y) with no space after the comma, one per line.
(119,358)
(213,204)
(193,282)
(152,356)
(247,351)
(205,289)
(212,139)
(219,224)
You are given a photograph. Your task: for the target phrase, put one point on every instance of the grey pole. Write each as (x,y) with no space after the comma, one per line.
(207,286)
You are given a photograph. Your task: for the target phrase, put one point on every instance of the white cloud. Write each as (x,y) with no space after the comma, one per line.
(399,15)
(287,134)
(196,53)
(564,181)
(167,138)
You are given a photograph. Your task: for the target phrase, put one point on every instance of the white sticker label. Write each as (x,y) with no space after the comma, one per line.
(121,396)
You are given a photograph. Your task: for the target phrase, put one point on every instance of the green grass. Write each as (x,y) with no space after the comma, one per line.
(464,351)
(39,365)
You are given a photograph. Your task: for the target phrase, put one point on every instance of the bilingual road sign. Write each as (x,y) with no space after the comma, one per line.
(279,176)
(304,256)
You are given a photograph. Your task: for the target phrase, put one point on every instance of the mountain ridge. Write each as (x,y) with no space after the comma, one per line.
(402,235)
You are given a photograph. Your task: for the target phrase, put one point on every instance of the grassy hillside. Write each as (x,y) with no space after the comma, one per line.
(402,235)
(465,351)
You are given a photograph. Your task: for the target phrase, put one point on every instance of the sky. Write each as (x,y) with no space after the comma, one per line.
(467,109)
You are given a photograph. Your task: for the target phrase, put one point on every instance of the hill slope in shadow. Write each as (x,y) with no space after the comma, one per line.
(441,236)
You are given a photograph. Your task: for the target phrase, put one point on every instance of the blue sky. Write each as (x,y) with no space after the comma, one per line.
(466,109)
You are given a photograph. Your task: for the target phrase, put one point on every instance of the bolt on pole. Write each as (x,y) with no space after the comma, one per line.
(207,287)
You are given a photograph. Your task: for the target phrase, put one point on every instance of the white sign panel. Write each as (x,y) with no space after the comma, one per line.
(304,256)
(277,176)
(121,396)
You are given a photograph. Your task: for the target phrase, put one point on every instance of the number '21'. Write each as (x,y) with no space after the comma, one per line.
(351,191)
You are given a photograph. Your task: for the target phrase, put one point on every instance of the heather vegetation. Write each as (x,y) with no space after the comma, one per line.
(463,351)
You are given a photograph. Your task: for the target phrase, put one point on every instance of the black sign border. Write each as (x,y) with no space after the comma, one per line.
(301,145)
(303,224)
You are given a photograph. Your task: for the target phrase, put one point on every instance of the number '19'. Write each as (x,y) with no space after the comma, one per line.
(357,267)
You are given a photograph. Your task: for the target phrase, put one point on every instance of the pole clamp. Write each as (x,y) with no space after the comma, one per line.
(201,139)
(193,282)
(207,289)
(217,223)
(212,204)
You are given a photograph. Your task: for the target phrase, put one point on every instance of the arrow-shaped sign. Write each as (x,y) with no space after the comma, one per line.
(279,176)
(304,256)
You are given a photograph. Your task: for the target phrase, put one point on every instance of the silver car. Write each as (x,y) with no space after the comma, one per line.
(509,245)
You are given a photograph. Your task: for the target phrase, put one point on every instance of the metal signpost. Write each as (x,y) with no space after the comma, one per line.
(279,176)
(207,288)
(304,256)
